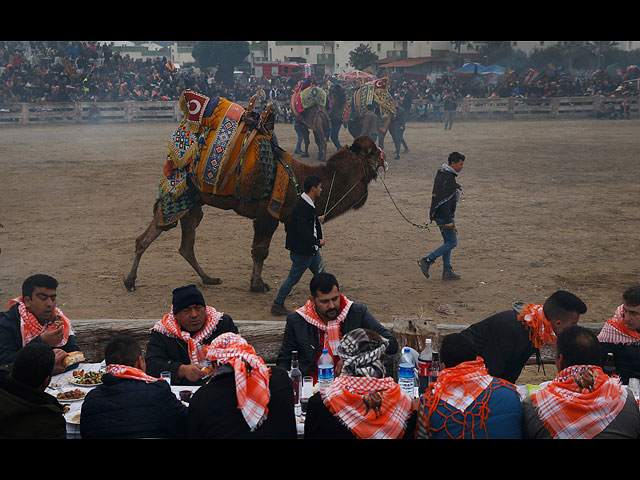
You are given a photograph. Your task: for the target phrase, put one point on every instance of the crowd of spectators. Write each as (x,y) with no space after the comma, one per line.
(60,71)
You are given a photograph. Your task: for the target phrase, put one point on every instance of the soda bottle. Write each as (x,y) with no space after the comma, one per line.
(406,372)
(325,370)
(296,377)
(424,363)
(609,365)
(434,368)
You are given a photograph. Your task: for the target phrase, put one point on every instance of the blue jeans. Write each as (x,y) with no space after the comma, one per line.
(450,242)
(299,265)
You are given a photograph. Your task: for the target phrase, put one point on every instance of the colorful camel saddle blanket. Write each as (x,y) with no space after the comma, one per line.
(374,93)
(307,94)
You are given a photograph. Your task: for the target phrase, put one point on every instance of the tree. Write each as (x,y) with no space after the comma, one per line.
(362,57)
(221,55)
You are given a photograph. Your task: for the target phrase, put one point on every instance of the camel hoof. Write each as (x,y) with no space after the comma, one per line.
(130,285)
(260,288)
(211,281)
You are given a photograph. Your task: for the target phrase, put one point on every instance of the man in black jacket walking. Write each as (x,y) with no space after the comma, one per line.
(443,208)
(304,240)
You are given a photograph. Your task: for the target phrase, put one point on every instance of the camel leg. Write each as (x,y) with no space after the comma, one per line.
(321,142)
(307,141)
(189,223)
(263,229)
(142,243)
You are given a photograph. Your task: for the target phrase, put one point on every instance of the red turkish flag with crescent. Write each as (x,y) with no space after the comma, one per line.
(196,103)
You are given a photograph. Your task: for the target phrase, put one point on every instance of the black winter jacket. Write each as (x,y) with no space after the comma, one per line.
(444,198)
(127,408)
(214,413)
(299,228)
(301,336)
(166,353)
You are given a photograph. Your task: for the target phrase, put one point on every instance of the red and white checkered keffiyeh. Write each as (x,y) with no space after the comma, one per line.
(169,326)
(459,386)
(347,398)
(30,327)
(126,371)
(540,330)
(571,412)
(332,327)
(251,375)
(616,330)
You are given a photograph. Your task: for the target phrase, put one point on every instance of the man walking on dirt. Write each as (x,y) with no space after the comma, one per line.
(443,207)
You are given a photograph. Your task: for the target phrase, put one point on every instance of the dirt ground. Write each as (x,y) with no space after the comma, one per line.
(547,205)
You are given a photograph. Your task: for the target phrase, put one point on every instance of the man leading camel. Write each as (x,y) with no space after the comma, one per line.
(304,240)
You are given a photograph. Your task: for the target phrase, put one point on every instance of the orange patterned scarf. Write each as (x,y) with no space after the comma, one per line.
(251,375)
(126,371)
(540,330)
(30,327)
(616,330)
(169,326)
(331,328)
(569,410)
(369,407)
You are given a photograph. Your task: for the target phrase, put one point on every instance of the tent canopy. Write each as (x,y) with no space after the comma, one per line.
(473,67)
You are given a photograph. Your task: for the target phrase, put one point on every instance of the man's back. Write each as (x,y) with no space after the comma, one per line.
(127,408)
(503,343)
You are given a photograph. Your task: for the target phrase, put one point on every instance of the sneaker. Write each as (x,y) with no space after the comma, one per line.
(425,263)
(447,274)
(279,309)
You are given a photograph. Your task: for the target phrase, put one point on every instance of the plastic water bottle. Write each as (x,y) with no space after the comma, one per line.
(325,370)
(406,372)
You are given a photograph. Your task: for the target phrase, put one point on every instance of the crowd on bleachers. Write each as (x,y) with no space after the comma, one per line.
(60,71)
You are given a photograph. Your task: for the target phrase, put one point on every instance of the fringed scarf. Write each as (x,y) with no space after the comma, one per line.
(169,326)
(616,330)
(580,402)
(30,328)
(540,330)
(332,327)
(126,371)
(369,407)
(251,375)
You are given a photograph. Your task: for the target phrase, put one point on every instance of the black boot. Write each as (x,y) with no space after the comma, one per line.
(425,263)
(279,309)
(447,274)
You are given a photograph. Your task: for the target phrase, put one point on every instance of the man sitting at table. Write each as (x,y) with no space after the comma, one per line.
(177,342)
(244,398)
(620,336)
(362,402)
(321,322)
(582,401)
(34,317)
(466,401)
(130,403)
(26,410)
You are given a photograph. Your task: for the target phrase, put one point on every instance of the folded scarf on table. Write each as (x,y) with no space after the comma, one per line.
(169,326)
(580,402)
(30,327)
(616,330)
(251,375)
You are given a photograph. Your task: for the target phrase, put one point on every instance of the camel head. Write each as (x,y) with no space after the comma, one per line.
(373,157)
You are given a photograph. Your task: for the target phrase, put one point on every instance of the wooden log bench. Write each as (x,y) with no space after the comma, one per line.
(266,336)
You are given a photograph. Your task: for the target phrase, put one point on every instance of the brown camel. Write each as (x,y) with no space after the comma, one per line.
(346,176)
(315,119)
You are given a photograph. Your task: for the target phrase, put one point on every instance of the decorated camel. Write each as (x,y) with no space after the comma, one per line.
(226,156)
(309,106)
(376,93)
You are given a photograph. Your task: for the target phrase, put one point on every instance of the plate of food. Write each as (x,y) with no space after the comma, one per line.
(88,379)
(74,395)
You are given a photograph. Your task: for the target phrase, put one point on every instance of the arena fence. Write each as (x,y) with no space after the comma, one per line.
(468,109)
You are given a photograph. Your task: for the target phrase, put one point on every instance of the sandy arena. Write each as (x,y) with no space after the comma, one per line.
(548,204)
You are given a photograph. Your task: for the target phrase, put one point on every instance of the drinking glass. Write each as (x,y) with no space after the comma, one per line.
(634,386)
(166,376)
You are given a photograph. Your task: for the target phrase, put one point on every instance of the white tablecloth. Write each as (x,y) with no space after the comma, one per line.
(60,383)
